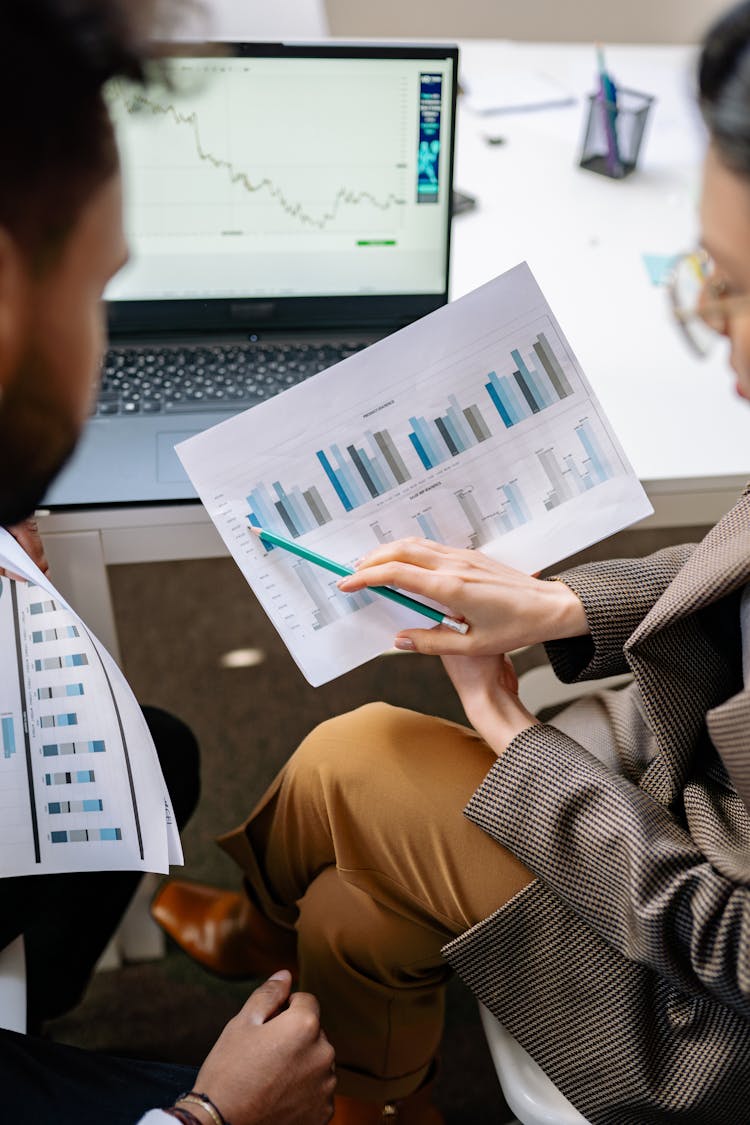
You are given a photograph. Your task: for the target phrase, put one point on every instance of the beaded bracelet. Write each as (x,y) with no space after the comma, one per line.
(193,1097)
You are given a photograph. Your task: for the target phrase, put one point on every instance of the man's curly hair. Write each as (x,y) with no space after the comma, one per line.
(56,140)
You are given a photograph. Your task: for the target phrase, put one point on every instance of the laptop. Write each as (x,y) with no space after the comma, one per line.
(286,205)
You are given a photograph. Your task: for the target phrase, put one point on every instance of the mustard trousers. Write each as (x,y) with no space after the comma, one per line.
(361,844)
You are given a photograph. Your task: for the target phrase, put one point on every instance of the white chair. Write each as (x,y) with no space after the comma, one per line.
(529,1093)
(13,987)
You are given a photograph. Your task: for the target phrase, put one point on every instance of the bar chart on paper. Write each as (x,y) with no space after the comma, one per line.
(45,719)
(475,427)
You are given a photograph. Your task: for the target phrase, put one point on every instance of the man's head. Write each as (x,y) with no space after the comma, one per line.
(61,235)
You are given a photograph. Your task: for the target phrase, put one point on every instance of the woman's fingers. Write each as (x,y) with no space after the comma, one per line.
(439,641)
(417,552)
(406,576)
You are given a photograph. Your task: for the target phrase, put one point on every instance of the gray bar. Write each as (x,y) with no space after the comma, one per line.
(452,447)
(326,613)
(527,392)
(392,456)
(362,470)
(316,505)
(474,516)
(293,530)
(478,425)
(552,367)
(556,479)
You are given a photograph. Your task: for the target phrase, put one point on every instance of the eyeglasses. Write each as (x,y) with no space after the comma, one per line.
(702,303)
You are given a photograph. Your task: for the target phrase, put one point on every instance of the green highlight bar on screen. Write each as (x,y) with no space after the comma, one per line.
(377,242)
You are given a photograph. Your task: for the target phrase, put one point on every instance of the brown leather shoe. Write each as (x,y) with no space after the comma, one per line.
(224,931)
(416,1109)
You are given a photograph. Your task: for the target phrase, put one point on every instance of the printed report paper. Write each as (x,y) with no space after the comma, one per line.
(475,427)
(81,788)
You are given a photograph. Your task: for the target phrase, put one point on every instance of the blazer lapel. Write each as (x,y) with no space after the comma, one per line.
(682,670)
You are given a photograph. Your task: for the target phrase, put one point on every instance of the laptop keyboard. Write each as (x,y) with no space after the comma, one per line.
(173,380)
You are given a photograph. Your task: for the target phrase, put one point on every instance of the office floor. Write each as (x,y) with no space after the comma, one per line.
(176,621)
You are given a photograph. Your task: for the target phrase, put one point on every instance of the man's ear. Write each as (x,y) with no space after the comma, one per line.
(15,306)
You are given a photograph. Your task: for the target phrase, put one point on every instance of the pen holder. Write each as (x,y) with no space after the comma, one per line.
(614,132)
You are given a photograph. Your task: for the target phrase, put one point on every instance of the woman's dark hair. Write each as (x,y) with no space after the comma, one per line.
(724,87)
(56,140)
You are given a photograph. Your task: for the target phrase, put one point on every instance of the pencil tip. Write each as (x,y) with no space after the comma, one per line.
(255,530)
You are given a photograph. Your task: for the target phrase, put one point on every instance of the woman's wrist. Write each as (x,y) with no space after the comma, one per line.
(565,616)
(498,716)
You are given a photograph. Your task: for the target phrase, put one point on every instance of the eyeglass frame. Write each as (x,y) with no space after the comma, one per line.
(718,307)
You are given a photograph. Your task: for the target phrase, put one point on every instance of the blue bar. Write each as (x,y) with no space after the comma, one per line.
(494,395)
(384,468)
(53,807)
(456,415)
(74,689)
(543,383)
(110,834)
(302,508)
(262,506)
(542,398)
(68,720)
(428,527)
(333,478)
(447,436)
(37,636)
(84,775)
(97,746)
(452,429)
(512,391)
(347,476)
(58,837)
(294,503)
(425,437)
(523,506)
(420,451)
(515,506)
(285,508)
(375,470)
(92,805)
(586,439)
(9,737)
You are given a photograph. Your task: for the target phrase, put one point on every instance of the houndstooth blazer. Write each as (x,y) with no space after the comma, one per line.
(624,968)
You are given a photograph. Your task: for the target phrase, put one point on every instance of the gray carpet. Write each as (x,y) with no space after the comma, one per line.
(175,621)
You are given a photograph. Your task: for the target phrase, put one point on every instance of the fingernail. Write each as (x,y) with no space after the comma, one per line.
(342,583)
(282,974)
(405,644)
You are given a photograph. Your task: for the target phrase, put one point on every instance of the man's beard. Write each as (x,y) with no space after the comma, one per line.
(36,439)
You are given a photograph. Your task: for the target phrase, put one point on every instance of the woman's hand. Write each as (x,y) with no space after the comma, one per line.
(27,534)
(505,608)
(488,689)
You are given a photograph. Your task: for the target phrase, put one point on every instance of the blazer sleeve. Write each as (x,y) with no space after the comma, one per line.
(616,595)
(621,862)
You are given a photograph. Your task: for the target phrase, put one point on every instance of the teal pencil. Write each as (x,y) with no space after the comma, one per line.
(344,571)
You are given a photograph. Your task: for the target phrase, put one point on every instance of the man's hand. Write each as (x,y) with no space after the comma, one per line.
(271,1066)
(27,534)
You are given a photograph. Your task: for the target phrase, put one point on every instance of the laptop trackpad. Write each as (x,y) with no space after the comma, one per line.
(169,468)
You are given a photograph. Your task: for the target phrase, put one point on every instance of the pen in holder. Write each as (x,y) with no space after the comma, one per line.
(614,131)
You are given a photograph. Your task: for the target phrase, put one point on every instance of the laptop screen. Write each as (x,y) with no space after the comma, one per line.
(273,173)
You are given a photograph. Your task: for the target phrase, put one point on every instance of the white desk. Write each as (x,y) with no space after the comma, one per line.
(584,236)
